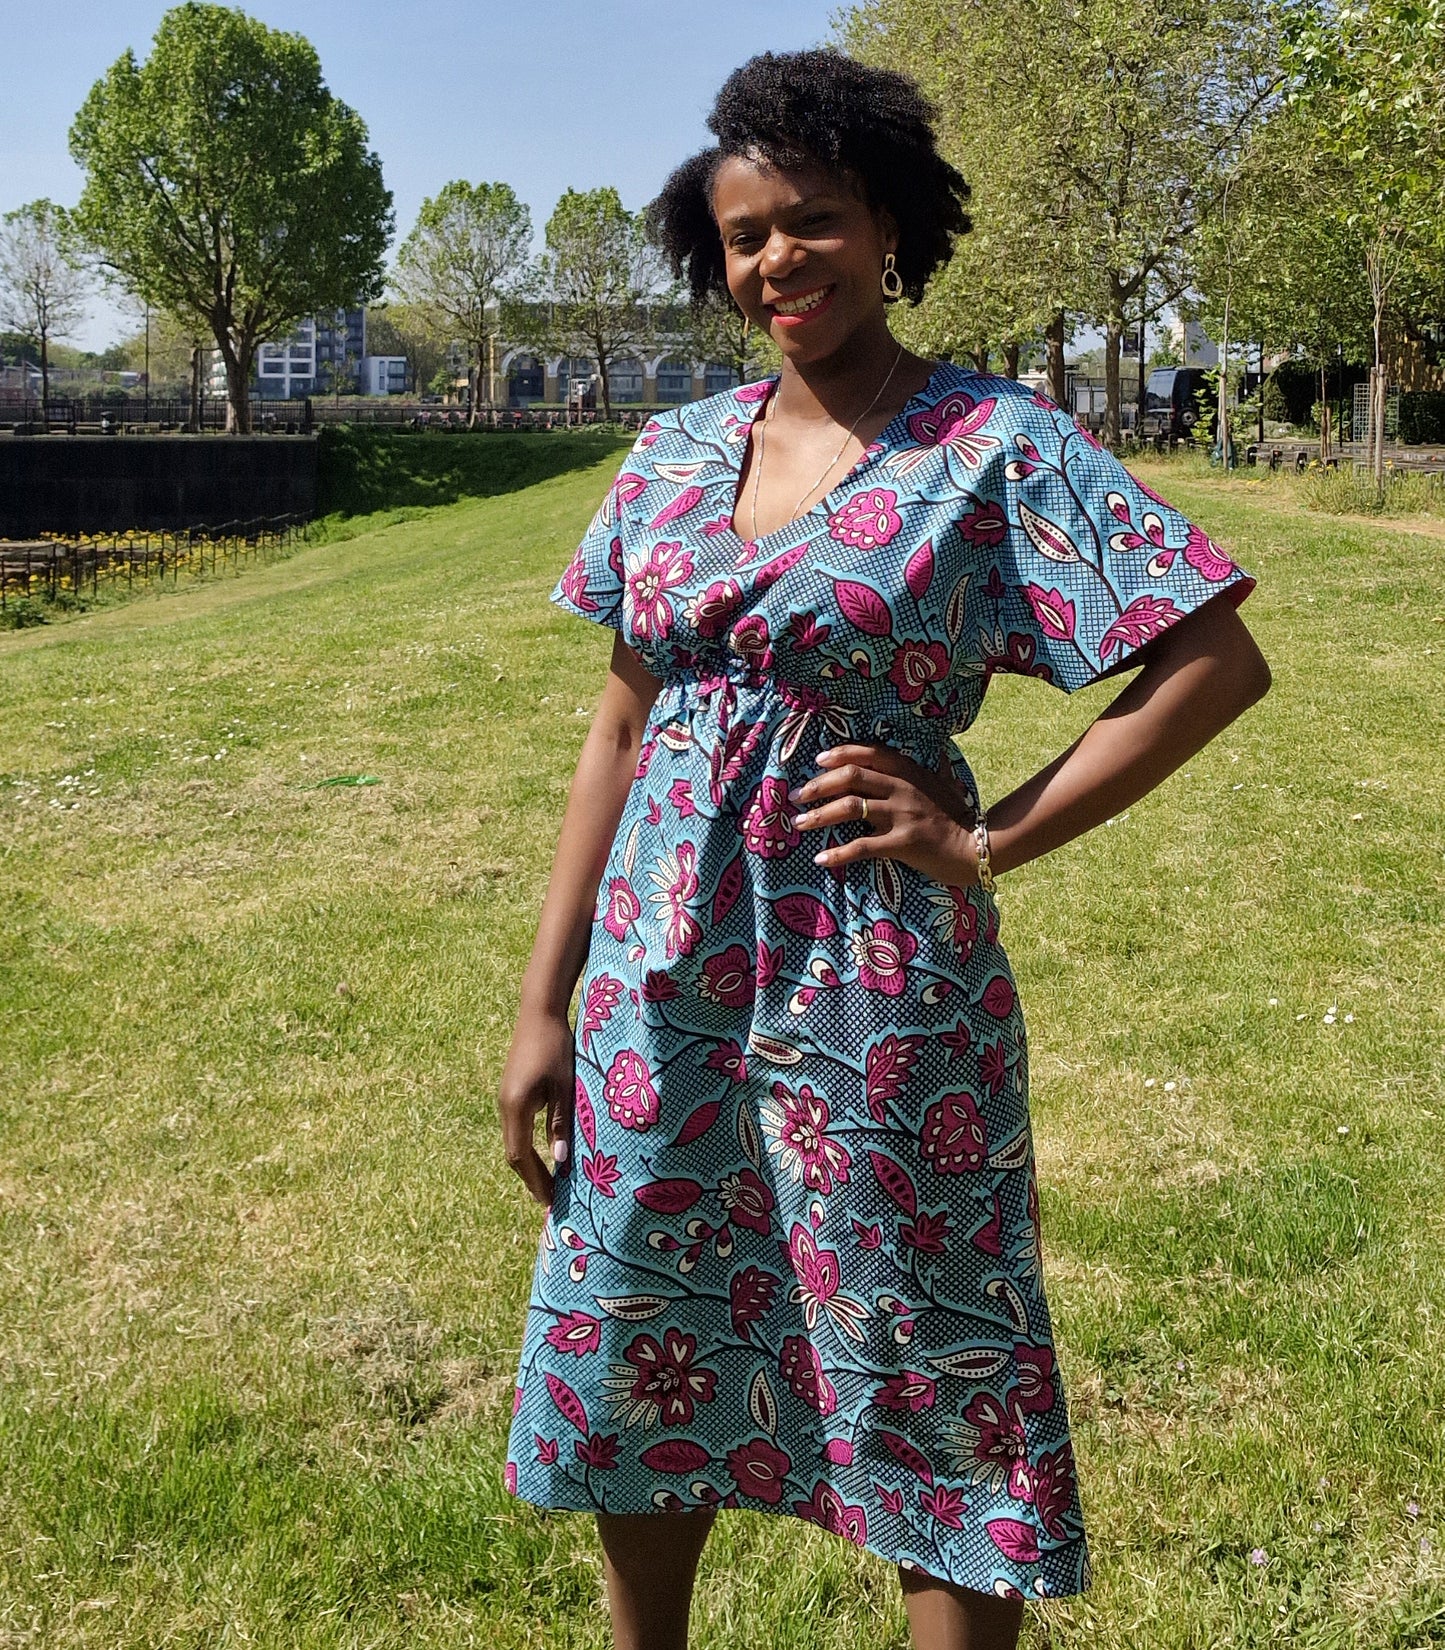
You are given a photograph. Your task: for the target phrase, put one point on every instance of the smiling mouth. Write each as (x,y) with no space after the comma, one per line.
(804,304)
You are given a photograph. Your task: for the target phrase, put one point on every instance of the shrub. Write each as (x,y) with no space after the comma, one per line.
(1422,416)
(1290,391)
(1276,402)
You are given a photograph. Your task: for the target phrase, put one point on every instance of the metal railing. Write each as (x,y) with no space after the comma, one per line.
(51,568)
(96,415)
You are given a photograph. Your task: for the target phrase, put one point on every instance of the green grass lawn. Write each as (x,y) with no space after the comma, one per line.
(263,1269)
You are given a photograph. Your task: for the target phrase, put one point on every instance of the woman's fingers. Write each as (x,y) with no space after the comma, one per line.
(517,1141)
(878,758)
(559,1125)
(907,812)
(860,848)
(847,810)
(848,779)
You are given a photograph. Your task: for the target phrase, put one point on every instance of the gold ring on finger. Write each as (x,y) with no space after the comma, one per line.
(863,810)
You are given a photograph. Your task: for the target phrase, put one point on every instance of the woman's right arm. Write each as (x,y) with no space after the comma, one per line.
(539,1072)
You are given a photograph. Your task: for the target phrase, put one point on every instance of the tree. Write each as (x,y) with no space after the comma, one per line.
(1284,260)
(597,278)
(1019,272)
(718,331)
(1369,79)
(42,291)
(1102,132)
(402,329)
(467,253)
(226,186)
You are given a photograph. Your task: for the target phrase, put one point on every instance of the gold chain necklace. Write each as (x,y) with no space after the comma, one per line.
(828,467)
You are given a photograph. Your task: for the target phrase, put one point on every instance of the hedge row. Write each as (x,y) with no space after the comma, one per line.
(1422,416)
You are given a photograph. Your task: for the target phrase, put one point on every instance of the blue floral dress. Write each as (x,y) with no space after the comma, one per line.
(793,1259)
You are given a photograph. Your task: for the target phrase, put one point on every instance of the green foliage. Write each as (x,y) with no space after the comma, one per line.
(1369,83)
(717,333)
(1099,138)
(597,283)
(1026,257)
(1290,392)
(1345,491)
(1276,402)
(399,329)
(171,343)
(1279,251)
(1422,416)
(467,252)
(42,289)
(226,186)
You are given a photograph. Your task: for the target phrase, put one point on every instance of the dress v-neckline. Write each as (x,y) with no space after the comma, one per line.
(797,528)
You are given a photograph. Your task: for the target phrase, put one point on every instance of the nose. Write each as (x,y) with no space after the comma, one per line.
(781,256)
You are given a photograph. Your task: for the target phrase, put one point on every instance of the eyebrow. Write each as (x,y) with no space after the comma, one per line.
(741,220)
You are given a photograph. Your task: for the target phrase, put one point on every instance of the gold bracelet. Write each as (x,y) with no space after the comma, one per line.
(980,842)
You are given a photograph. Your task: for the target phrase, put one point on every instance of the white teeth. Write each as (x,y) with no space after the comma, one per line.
(800,306)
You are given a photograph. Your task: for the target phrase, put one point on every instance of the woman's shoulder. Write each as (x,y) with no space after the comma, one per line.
(1008,394)
(726,410)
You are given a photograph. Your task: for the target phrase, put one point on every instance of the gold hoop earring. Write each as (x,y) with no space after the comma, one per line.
(892,280)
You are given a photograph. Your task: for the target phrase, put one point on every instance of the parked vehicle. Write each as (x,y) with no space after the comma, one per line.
(1176,399)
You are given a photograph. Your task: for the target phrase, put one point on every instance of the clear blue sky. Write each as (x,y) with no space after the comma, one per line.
(544,94)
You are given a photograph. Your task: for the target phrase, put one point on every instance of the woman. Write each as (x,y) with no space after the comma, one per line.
(791,1261)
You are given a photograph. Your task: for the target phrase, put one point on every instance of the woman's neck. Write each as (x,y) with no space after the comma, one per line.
(837,388)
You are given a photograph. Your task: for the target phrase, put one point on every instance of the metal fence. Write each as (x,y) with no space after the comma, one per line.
(101,415)
(96,415)
(52,568)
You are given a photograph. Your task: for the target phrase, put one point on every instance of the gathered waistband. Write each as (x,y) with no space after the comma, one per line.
(793,712)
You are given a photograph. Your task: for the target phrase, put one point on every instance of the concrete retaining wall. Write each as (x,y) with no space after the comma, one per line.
(100,484)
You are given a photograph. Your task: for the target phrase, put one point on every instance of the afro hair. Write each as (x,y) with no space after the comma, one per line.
(819,108)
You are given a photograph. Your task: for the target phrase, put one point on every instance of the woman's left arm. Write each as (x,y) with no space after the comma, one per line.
(1193,681)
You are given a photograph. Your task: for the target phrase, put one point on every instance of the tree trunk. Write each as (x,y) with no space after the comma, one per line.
(1375,268)
(1259,391)
(1010,360)
(237,357)
(980,359)
(1377,406)
(474,384)
(1113,338)
(1377,445)
(1324,415)
(1222,431)
(193,419)
(1143,375)
(1054,337)
(44,382)
(606,387)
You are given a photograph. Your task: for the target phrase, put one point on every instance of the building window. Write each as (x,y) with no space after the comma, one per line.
(674,381)
(718,378)
(625,381)
(526,381)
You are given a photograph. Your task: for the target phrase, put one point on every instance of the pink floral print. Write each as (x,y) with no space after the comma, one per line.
(868,520)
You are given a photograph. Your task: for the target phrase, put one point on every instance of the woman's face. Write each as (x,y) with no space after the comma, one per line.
(804,254)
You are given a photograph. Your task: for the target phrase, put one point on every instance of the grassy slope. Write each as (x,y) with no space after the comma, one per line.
(264,1270)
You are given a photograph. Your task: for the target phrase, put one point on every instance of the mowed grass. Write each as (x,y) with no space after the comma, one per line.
(263,1269)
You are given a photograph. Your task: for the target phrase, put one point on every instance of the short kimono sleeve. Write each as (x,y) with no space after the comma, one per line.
(593,585)
(1093,564)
